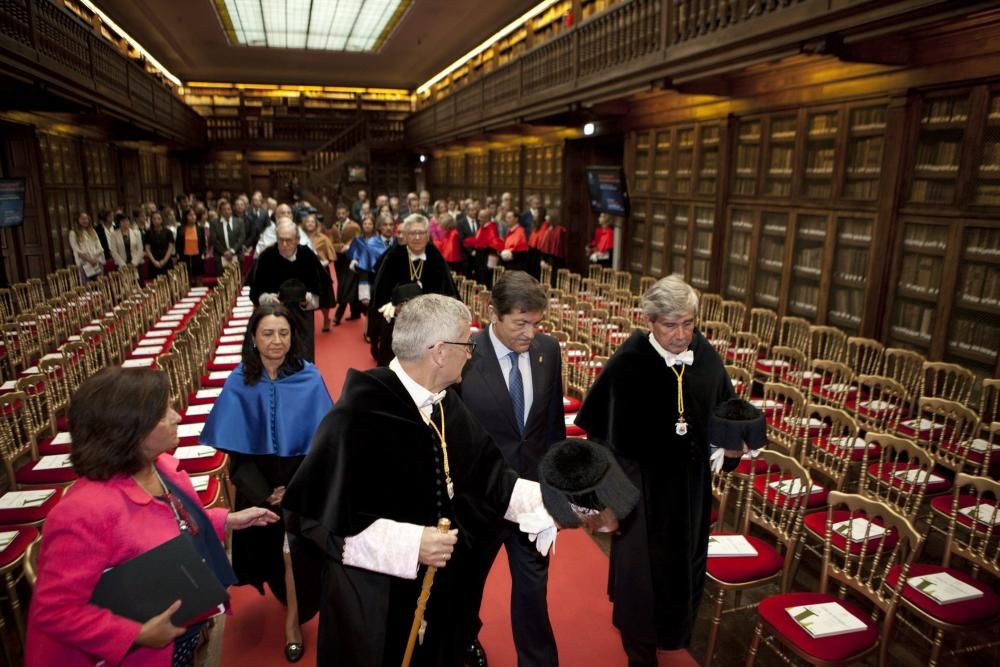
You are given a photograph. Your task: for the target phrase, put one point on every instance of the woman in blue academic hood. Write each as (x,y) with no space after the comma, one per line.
(265,418)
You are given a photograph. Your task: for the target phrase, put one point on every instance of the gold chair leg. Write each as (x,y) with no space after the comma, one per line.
(15,605)
(713,632)
(758,633)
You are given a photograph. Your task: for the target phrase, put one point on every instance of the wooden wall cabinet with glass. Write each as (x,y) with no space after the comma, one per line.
(680,232)
(865,147)
(821,155)
(771,261)
(684,165)
(708,158)
(638,232)
(940,134)
(746,168)
(918,284)
(642,166)
(780,161)
(738,274)
(850,272)
(662,160)
(987,184)
(809,244)
(701,246)
(974,325)
(658,227)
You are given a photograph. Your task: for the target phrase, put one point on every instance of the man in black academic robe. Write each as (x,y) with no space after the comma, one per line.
(658,558)
(286,260)
(415,261)
(378,467)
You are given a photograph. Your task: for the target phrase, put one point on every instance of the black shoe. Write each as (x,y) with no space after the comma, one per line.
(294,651)
(475,655)
(353,316)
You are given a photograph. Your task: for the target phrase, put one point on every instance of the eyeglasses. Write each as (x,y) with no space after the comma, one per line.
(471,345)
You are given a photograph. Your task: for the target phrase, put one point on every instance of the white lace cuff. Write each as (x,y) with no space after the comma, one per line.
(526,499)
(387,547)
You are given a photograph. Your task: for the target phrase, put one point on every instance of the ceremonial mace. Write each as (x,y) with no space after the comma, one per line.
(444,525)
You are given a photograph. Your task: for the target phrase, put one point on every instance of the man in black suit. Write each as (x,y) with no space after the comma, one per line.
(227,235)
(534,216)
(468,225)
(513,385)
(257,219)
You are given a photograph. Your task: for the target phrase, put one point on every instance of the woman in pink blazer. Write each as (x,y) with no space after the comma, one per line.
(130,498)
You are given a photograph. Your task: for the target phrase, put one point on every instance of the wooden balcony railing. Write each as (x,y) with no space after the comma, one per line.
(641,43)
(44,39)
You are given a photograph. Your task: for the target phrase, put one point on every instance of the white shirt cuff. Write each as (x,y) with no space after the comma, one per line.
(526,499)
(387,547)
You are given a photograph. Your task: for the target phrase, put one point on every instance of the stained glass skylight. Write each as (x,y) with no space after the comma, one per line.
(329,25)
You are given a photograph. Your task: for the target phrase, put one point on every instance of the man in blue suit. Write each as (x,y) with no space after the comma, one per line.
(513,385)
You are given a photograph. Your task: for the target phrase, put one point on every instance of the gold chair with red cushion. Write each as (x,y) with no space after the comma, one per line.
(742,381)
(973,502)
(20,454)
(734,313)
(12,570)
(950,381)
(778,519)
(907,368)
(880,403)
(784,408)
(946,429)
(718,334)
(744,350)
(864,355)
(710,307)
(861,573)
(898,472)
(831,383)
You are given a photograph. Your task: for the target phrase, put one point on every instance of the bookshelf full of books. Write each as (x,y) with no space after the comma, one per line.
(661,162)
(708,158)
(942,127)
(701,246)
(746,167)
(643,163)
(974,325)
(684,170)
(679,232)
(780,155)
(850,272)
(768,280)
(638,231)
(821,154)
(987,186)
(738,253)
(658,224)
(865,146)
(918,284)
(807,264)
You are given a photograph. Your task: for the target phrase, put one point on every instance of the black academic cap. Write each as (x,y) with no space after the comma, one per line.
(586,475)
(292,291)
(734,422)
(404,292)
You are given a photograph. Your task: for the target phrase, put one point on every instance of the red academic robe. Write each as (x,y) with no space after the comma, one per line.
(450,246)
(604,239)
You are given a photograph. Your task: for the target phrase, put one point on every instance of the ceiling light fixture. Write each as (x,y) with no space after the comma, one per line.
(134,44)
(506,30)
(588,129)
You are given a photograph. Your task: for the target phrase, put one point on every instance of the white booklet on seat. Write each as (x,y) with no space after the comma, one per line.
(858,529)
(6,537)
(916,476)
(19,499)
(200,482)
(793,487)
(944,588)
(826,619)
(983,513)
(848,442)
(194,452)
(730,545)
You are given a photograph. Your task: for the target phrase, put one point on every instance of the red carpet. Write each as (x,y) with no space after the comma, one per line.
(578,604)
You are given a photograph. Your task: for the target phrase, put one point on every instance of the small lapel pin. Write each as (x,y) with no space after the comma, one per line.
(539,358)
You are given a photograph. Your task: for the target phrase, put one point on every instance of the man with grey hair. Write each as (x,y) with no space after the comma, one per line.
(269,236)
(399,453)
(651,405)
(413,267)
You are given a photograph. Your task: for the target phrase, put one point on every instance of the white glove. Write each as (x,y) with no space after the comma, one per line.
(269,299)
(541,530)
(593,257)
(388,311)
(506,255)
(312,301)
(354,265)
(715,459)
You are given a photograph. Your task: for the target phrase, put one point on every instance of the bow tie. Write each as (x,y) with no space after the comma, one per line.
(686,357)
(433,399)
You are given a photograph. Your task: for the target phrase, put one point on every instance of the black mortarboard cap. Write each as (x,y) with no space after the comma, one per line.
(587,475)
(292,292)
(734,422)
(404,292)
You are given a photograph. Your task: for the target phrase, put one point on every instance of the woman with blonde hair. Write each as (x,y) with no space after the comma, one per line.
(88,255)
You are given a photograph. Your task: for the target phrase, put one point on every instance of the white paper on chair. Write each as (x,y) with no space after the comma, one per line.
(62,438)
(232,331)
(53,355)
(764,404)
(18,499)
(198,290)
(197,409)
(189,430)
(921,424)
(30,370)
(837,387)
(238,322)
(569,419)
(917,476)
(234,338)
(242,312)
(165,325)
(877,405)
(730,546)
(981,445)
(826,619)
(858,529)
(142,362)
(200,483)
(223,359)
(210,392)
(229,349)
(6,537)
(173,317)
(807,422)
(983,513)
(194,452)
(151,343)
(182,308)
(159,335)
(772,362)
(944,588)
(9,385)
(54,462)
(219,375)
(793,487)
(190,299)
(848,442)
(147,351)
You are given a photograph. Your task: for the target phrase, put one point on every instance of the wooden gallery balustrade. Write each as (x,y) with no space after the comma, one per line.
(42,41)
(638,44)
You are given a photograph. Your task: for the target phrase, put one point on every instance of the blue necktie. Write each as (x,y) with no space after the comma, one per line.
(516,387)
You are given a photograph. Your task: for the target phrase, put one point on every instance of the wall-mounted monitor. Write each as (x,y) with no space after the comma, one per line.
(11,202)
(608,192)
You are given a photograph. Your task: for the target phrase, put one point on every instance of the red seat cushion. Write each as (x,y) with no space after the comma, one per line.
(973,455)
(194,400)
(829,649)
(208,496)
(857,454)
(887,473)
(28,475)
(206,382)
(942,505)
(25,536)
(570,404)
(31,514)
(968,612)
(815,499)
(746,464)
(815,523)
(574,431)
(46,448)
(202,466)
(62,423)
(743,569)
(713,516)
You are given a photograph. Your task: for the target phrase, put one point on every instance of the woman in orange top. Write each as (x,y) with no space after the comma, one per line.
(189,245)
(515,247)
(450,245)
